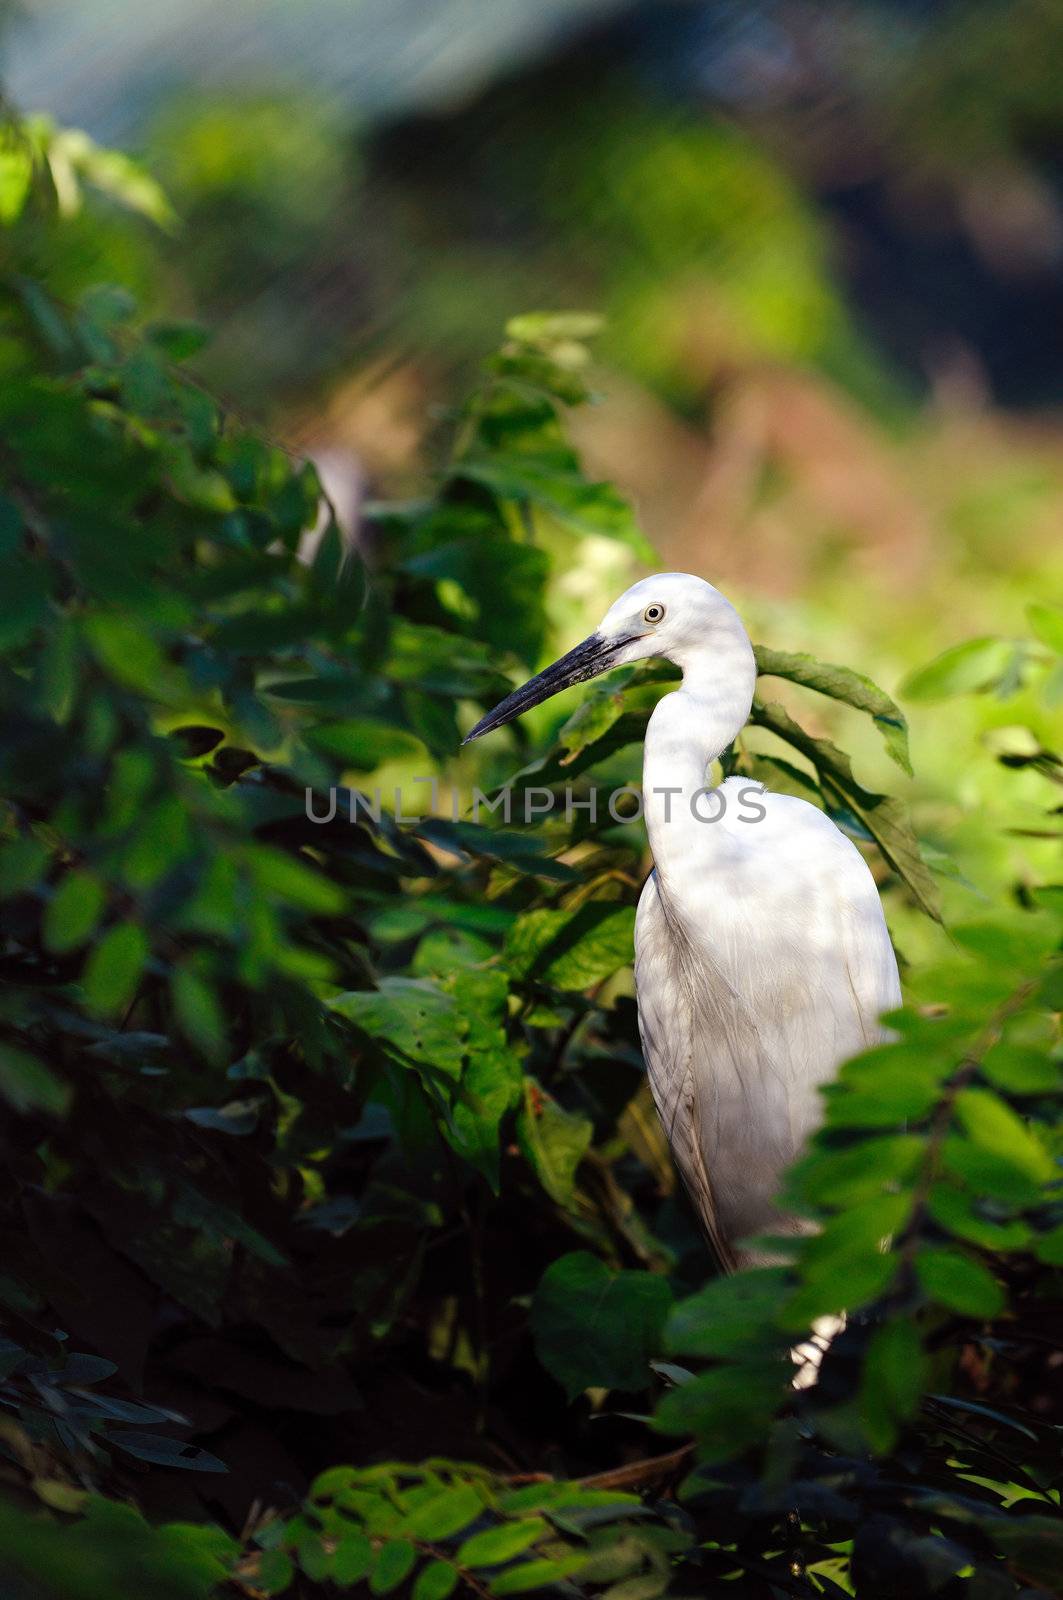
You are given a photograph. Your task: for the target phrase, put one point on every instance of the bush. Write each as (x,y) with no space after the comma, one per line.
(328,1140)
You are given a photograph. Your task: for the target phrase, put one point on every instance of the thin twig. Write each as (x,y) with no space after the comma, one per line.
(636,1473)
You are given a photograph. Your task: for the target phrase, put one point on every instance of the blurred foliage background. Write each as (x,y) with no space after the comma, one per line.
(328,1142)
(826,241)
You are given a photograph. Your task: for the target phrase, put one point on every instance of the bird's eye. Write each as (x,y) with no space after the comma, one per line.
(653,613)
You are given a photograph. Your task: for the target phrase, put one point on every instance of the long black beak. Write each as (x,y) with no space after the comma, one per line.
(594,655)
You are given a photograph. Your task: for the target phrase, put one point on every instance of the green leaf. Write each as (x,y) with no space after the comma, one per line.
(553,1141)
(23,599)
(502,580)
(412,1015)
(958,1213)
(727,1408)
(393,1565)
(177,340)
(28,1085)
(112,971)
(1049,1247)
(493,1546)
(314,1558)
(117,175)
(730,1316)
(988,1174)
(841,1178)
(904,1092)
(641,1586)
(435,1581)
(977,664)
(22,863)
(572,950)
(198,1012)
(852,1278)
(361,743)
(434,721)
(958,1282)
(601,709)
(593,1327)
(864,1228)
(444,1514)
(275,1572)
(353,1559)
(892,1382)
(16,173)
(995,1128)
(294,880)
(130,654)
(537,1574)
(552,327)
(491,1080)
(328,1484)
(1047,624)
(560,491)
(1020,1070)
(842,683)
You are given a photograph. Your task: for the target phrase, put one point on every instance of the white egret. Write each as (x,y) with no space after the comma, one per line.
(762,957)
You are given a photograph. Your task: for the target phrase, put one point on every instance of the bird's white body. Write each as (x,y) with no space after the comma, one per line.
(762,961)
(762,957)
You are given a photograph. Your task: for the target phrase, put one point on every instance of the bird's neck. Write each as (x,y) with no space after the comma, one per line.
(686,733)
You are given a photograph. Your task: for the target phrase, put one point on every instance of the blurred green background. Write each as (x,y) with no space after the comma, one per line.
(826,239)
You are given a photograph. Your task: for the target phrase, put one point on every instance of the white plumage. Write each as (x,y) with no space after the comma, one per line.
(762,957)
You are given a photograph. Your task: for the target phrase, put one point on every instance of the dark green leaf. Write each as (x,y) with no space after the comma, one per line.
(353,1559)
(892,1382)
(112,971)
(392,1566)
(597,1328)
(730,1317)
(958,1282)
(28,1085)
(164,1452)
(275,1572)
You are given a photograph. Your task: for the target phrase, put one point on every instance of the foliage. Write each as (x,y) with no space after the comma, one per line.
(326,1128)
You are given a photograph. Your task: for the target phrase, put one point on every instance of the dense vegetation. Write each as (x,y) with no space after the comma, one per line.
(342,1245)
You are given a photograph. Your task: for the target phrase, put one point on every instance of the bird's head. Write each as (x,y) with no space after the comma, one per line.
(673,614)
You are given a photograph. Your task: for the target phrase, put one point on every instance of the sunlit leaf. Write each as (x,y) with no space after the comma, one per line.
(553,1140)
(1047,624)
(976,664)
(842,683)
(493,1546)
(572,950)
(995,1128)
